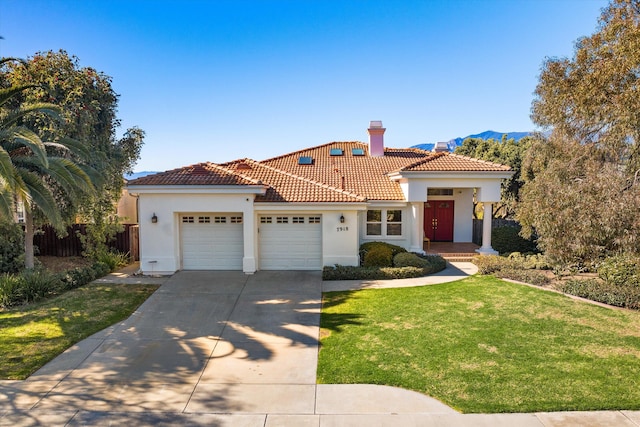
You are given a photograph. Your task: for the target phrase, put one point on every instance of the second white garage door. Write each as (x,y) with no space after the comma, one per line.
(290,242)
(212,241)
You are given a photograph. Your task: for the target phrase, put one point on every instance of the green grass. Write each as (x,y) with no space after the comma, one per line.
(32,335)
(484,345)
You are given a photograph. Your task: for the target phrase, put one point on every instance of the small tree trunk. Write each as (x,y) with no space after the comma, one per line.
(29,261)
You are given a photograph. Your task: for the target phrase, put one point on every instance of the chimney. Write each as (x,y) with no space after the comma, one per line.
(441,146)
(376,138)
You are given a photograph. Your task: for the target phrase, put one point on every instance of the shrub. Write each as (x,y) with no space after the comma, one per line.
(366,247)
(341,272)
(627,296)
(378,256)
(9,289)
(37,284)
(531,261)
(112,259)
(507,239)
(408,259)
(436,263)
(527,276)
(620,270)
(488,264)
(11,248)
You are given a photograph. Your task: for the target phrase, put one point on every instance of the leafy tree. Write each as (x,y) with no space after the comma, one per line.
(32,171)
(581,192)
(594,97)
(507,152)
(89,106)
(582,208)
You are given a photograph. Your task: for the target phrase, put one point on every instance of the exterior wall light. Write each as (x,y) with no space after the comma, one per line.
(154,218)
(341,219)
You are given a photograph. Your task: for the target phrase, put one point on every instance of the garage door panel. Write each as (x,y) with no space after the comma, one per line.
(285,245)
(210,245)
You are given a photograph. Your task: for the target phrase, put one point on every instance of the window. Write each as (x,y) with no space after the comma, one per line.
(440,192)
(297,220)
(388,221)
(314,220)
(204,219)
(282,219)
(336,152)
(374,222)
(187,219)
(357,152)
(305,160)
(266,220)
(236,220)
(394,222)
(220,219)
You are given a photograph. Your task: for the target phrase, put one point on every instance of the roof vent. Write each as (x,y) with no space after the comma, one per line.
(243,166)
(199,170)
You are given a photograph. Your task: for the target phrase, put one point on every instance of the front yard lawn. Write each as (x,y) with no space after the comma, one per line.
(33,334)
(484,345)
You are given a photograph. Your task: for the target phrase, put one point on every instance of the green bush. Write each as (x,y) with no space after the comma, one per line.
(9,289)
(621,270)
(627,296)
(408,259)
(378,256)
(112,259)
(489,264)
(436,263)
(37,284)
(531,261)
(527,276)
(11,248)
(341,272)
(366,247)
(507,239)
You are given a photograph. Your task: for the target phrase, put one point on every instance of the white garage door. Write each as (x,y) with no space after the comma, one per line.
(290,242)
(212,241)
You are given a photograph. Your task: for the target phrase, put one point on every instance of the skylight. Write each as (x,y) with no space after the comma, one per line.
(357,151)
(336,152)
(305,160)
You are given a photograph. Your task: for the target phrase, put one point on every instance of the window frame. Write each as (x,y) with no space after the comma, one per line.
(384,224)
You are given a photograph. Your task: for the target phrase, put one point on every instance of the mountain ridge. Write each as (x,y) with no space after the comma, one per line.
(487,134)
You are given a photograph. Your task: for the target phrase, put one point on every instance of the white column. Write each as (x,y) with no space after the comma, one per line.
(486,248)
(416,228)
(249,236)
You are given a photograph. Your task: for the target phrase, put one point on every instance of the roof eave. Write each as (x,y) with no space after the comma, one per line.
(198,189)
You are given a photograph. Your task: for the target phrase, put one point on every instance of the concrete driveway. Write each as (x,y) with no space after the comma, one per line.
(227,349)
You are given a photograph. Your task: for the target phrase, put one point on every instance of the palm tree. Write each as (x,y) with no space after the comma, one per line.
(33,171)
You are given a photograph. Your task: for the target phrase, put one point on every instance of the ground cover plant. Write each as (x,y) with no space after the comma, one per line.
(484,345)
(31,335)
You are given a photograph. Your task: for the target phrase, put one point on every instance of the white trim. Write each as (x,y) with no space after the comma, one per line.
(197,189)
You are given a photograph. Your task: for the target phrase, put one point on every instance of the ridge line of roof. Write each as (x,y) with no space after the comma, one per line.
(312,148)
(480,160)
(432,156)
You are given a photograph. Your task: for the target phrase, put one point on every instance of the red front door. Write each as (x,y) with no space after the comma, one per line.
(438,220)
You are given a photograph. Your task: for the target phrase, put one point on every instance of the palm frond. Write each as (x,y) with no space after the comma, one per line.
(7,93)
(41,197)
(32,142)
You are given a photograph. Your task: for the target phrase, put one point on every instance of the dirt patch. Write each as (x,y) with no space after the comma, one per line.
(56,264)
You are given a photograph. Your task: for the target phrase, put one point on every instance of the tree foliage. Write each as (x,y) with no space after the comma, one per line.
(507,152)
(581,192)
(88,106)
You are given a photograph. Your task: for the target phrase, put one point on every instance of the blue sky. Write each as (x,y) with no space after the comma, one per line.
(220,80)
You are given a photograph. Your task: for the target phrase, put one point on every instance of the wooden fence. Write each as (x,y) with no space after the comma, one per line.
(48,242)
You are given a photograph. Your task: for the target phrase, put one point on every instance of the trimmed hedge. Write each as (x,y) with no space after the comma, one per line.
(409,265)
(378,256)
(342,272)
(367,247)
(507,239)
(627,296)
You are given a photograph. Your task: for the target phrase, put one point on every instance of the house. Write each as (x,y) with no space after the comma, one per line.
(310,208)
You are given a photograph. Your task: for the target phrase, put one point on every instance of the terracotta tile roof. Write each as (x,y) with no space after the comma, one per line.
(338,178)
(363,175)
(198,174)
(448,162)
(287,187)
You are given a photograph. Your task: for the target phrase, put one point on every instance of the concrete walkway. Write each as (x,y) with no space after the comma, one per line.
(227,349)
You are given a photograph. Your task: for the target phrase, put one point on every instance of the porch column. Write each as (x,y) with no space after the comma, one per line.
(417,231)
(486,248)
